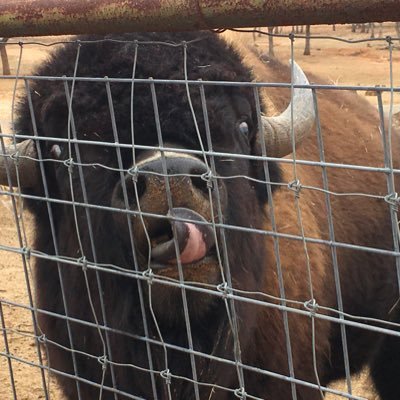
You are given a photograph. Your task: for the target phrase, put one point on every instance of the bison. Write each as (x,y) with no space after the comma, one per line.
(116,240)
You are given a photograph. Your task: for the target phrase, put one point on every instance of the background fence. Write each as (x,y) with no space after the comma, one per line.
(24,368)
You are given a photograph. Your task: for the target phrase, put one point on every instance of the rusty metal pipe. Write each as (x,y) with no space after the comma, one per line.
(56,17)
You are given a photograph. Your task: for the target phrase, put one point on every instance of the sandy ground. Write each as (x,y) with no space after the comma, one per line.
(356,64)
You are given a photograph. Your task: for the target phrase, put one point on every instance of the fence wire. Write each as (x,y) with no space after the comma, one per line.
(152,351)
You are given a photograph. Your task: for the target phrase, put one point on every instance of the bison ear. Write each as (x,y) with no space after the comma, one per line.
(54,115)
(53,123)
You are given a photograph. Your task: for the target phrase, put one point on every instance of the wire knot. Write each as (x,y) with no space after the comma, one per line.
(394,200)
(208,177)
(224,289)
(103,361)
(42,338)
(311,306)
(148,274)
(240,393)
(84,263)
(295,186)
(166,374)
(389,39)
(26,251)
(69,164)
(134,173)
(15,157)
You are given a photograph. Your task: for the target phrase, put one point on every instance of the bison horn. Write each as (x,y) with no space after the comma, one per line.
(277,130)
(28,168)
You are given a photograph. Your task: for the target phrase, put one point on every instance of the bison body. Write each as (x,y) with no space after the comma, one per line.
(100,278)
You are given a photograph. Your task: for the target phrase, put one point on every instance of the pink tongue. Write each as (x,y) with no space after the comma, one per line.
(195,247)
(194,239)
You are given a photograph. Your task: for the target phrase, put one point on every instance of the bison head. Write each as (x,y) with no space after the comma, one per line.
(147,183)
(165,197)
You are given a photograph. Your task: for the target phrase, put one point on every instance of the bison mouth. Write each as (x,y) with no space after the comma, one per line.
(187,235)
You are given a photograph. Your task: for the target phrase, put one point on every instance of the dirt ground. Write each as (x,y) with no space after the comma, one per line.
(340,63)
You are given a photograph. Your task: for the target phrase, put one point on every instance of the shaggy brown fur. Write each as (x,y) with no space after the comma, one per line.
(350,128)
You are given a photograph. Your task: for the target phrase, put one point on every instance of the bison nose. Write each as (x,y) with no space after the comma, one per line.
(174,165)
(146,183)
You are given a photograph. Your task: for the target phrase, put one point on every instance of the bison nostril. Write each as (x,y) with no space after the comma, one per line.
(201,180)
(140,181)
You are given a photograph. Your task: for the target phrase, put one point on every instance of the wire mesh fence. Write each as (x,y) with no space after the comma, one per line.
(182,242)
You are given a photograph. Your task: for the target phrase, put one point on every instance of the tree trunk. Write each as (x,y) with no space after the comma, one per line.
(4,57)
(372,29)
(307,48)
(271,42)
(380,29)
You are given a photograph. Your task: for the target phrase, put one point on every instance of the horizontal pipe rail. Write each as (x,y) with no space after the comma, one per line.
(56,17)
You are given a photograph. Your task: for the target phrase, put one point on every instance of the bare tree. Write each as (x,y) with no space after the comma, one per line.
(4,56)
(254,35)
(271,42)
(307,48)
(380,29)
(367,28)
(297,28)
(371,28)
(256,32)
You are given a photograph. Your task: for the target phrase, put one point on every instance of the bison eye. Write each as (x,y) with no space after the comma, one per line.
(55,151)
(244,128)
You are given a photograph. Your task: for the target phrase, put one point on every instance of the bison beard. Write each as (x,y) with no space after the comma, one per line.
(104,235)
